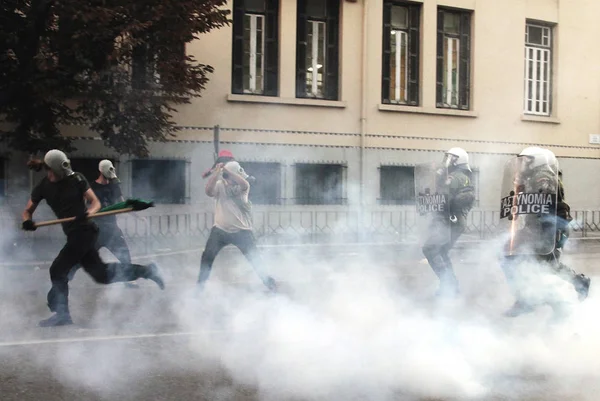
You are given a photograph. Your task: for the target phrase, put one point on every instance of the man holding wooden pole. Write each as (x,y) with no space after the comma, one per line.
(66,192)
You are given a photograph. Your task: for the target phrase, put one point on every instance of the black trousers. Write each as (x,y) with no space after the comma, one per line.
(437,251)
(219,239)
(110,237)
(81,249)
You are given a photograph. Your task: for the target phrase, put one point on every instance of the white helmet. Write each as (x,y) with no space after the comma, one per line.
(58,162)
(235,168)
(535,156)
(107,169)
(457,157)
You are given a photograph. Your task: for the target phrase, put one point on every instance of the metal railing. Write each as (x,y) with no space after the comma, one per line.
(189,230)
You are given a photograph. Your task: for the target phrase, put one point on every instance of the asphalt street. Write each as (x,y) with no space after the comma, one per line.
(346,325)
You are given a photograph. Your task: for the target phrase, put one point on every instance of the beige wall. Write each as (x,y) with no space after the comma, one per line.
(495,123)
(290,130)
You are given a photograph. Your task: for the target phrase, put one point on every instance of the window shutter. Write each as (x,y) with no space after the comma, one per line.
(465,57)
(301,38)
(413,55)
(332,54)
(272,48)
(385,63)
(237,57)
(439,89)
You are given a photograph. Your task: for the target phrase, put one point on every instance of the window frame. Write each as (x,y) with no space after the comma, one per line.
(270,78)
(279,187)
(331,69)
(413,61)
(464,58)
(550,79)
(145,60)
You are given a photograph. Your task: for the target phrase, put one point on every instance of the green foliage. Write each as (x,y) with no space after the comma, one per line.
(118,67)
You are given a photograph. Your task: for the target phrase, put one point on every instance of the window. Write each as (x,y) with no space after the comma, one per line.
(145,64)
(255,47)
(161,181)
(88,167)
(266,190)
(453,59)
(319,184)
(538,69)
(400,82)
(317,57)
(397,185)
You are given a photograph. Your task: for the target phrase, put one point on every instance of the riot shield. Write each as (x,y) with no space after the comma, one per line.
(528,208)
(432,204)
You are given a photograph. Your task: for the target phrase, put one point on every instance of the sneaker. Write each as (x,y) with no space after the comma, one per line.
(518,308)
(271,284)
(58,319)
(154,275)
(448,292)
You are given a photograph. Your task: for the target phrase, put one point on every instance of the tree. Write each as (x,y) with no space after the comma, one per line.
(116,66)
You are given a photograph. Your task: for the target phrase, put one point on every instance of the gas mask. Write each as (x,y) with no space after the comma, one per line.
(234,167)
(107,170)
(58,162)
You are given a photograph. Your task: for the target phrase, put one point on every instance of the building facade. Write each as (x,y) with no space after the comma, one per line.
(331,103)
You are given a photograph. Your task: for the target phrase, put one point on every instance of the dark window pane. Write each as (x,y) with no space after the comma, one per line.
(399,17)
(88,167)
(534,35)
(316,8)
(257,6)
(319,184)
(452,23)
(2,178)
(161,181)
(266,189)
(397,185)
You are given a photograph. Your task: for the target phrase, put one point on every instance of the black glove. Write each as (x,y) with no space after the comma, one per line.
(28,225)
(81,217)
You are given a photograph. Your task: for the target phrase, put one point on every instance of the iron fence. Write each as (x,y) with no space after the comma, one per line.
(189,230)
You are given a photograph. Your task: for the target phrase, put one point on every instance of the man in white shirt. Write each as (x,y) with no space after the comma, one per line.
(233,220)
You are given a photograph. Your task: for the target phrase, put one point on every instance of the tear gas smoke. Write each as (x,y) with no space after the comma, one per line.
(358,326)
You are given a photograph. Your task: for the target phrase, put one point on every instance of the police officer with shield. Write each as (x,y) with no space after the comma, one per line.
(448,214)
(535,215)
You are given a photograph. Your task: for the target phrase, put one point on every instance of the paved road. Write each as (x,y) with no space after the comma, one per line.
(347,326)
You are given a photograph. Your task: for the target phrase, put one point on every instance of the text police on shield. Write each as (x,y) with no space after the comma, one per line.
(524,203)
(428,203)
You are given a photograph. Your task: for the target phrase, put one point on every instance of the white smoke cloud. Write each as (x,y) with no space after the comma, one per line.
(357,326)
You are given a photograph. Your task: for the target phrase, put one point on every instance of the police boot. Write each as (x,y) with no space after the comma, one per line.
(448,285)
(519,308)
(582,285)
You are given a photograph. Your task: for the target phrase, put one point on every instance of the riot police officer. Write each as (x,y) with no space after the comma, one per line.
(447,227)
(539,173)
